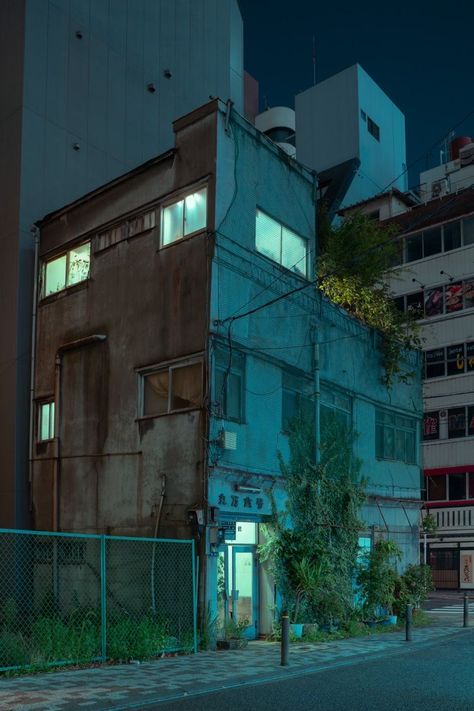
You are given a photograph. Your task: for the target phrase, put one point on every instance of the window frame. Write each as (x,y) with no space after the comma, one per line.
(46,402)
(373,128)
(168,367)
(238,370)
(282,226)
(383,426)
(174,200)
(296,385)
(59,255)
(443,228)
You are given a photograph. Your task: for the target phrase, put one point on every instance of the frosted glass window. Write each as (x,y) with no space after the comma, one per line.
(55,275)
(79,260)
(293,252)
(195,212)
(46,421)
(173,217)
(268,236)
(184,217)
(280,244)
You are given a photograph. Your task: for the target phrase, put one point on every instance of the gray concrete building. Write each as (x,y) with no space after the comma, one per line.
(89,91)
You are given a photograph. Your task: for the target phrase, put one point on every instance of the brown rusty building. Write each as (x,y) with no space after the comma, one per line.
(136,304)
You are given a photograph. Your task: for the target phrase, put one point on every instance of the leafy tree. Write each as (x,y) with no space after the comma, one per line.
(352,262)
(312,547)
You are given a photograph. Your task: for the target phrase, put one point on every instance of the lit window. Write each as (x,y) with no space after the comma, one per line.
(184,217)
(171,389)
(281,244)
(229,384)
(68,269)
(46,421)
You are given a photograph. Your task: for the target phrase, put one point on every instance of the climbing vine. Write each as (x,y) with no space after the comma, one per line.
(312,546)
(351,265)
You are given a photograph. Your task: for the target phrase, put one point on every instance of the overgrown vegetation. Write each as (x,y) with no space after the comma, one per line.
(312,547)
(351,266)
(50,637)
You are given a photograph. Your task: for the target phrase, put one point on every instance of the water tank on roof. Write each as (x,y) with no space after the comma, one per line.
(278,124)
(456,145)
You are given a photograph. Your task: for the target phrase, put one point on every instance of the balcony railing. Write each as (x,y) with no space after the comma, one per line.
(453,519)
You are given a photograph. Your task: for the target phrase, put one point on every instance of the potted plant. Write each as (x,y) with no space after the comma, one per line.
(232,634)
(306,577)
(377,580)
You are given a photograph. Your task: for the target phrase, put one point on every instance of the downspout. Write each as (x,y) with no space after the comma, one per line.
(155,535)
(36,237)
(79,343)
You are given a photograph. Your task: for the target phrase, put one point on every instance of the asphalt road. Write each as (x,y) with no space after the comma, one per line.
(435,678)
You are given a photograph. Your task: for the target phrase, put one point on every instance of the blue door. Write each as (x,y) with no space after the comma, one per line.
(238,594)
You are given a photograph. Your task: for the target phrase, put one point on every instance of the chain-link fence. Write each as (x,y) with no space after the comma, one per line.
(74,598)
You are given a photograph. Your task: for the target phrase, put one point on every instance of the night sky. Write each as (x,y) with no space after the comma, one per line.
(420,53)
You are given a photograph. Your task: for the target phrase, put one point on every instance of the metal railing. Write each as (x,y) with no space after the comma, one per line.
(77,598)
(450,518)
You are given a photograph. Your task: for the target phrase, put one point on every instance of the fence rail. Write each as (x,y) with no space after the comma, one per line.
(78,598)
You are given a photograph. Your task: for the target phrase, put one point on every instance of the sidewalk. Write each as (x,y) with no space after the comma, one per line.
(135,686)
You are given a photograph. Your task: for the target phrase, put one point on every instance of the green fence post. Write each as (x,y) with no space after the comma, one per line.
(194,599)
(103,599)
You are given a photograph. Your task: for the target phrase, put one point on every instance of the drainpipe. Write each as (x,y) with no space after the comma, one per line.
(36,238)
(317,396)
(79,343)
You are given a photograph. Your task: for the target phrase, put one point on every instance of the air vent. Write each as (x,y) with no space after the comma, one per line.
(228,440)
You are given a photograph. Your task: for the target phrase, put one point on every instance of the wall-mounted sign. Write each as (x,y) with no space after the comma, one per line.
(466,561)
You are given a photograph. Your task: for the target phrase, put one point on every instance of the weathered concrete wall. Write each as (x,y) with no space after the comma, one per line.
(151,304)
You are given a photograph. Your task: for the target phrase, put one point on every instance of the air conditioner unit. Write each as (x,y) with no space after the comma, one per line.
(439,188)
(228,440)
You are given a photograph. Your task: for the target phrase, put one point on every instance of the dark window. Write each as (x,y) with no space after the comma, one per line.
(455,359)
(363,115)
(373,129)
(452,236)
(471,485)
(432,241)
(470,421)
(296,400)
(431,425)
(437,488)
(397,257)
(434,363)
(457,487)
(456,422)
(399,302)
(413,247)
(468,231)
(229,384)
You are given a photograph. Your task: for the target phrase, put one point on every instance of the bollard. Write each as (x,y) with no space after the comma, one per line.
(466,611)
(408,623)
(285,638)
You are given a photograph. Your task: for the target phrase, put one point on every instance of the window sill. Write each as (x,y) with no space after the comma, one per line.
(68,290)
(397,461)
(145,418)
(162,247)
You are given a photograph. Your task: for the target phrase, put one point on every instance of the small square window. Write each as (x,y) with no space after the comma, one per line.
(46,421)
(373,129)
(65,271)
(281,244)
